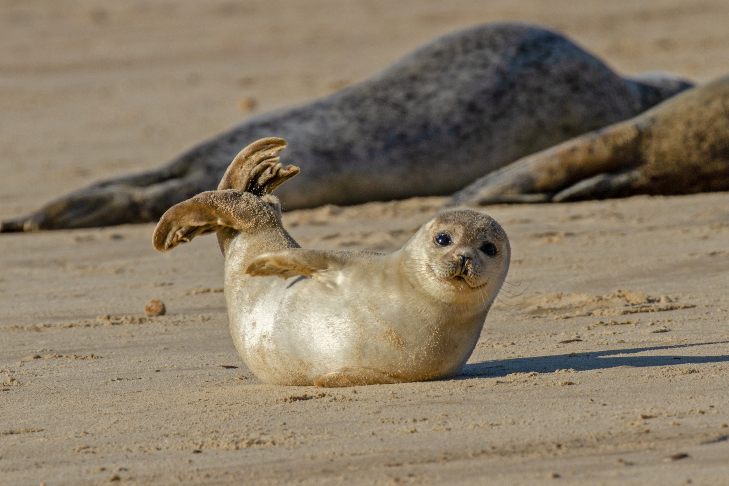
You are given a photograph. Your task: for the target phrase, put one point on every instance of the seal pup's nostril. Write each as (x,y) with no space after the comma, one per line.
(463,262)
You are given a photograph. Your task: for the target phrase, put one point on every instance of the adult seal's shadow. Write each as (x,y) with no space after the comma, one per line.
(464,105)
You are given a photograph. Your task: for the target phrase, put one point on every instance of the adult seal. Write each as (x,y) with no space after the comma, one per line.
(679,147)
(341,318)
(459,107)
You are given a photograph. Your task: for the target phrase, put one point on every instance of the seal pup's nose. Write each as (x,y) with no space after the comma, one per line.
(463,262)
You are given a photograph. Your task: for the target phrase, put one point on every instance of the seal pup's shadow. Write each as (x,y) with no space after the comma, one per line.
(591,360)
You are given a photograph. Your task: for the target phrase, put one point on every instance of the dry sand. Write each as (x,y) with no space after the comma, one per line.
(605,359)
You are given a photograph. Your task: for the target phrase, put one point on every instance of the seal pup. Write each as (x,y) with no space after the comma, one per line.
(679,147)
(461,106)
(341,318)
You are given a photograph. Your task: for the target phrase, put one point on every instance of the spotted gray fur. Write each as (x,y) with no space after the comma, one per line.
(460,107)
(680,146)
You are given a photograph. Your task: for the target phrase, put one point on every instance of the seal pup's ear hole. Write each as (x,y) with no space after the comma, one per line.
(257,168)
(295,262)
(207,212)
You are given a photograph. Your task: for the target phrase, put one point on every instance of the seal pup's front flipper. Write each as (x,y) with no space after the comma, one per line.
(541,176)
(295,262)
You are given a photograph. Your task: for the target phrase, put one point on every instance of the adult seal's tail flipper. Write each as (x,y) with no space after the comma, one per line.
(548,175)
(136,198)
(679,147)
(462,106)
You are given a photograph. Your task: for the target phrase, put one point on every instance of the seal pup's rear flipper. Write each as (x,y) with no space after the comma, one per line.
(242,202)
(257,168)
(295,262)
(212,211)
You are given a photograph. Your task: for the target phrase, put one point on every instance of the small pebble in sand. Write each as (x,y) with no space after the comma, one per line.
(677,457)
(247,104)
(660,330)
(155,307)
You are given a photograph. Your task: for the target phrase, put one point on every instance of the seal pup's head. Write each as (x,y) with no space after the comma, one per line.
(460,256)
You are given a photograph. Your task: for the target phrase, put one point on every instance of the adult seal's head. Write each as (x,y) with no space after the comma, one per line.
(340,318)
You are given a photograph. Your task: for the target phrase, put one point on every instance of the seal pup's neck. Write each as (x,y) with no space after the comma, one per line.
(417,272)
(243,247)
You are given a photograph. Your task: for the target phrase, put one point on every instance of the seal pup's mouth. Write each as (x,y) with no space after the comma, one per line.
(464,273)
(464,279)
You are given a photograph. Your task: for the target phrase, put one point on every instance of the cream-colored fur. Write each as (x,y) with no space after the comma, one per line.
(337,318)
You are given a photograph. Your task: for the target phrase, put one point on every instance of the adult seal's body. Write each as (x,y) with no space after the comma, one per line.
(464,105)
(341,318)
(679,147)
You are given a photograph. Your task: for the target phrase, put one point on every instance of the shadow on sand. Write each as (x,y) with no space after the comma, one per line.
(596,360)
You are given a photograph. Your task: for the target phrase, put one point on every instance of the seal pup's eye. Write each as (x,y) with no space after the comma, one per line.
(489,248)
(443,239)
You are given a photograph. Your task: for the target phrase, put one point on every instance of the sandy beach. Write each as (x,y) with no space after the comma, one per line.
(605,359)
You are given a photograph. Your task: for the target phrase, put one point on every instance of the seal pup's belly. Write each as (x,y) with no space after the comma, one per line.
(304,329)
